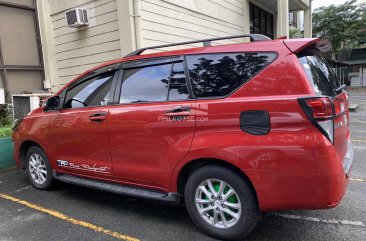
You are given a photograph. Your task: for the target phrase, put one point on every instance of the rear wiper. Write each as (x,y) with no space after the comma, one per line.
(341,87)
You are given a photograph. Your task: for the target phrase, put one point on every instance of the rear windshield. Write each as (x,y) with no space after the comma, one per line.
(320,75)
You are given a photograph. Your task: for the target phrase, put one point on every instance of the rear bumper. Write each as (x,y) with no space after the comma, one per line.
(348,158)
(295,189)
(347,164)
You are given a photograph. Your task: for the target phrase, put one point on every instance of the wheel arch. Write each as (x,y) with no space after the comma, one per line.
(24,147)
(193,165)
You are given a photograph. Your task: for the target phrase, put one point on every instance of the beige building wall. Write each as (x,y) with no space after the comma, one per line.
(117,27)
(170,21)
(78,50)
(71,51)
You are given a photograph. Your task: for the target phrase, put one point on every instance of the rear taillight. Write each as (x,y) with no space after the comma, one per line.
(340,104)
(320,111)
(321,108)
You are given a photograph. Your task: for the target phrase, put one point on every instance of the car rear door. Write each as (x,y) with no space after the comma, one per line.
(152,124)
(79,131)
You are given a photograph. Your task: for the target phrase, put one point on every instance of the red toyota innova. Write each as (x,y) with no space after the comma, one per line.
(230,130)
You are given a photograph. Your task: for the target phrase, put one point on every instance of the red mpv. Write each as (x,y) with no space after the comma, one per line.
(231,130)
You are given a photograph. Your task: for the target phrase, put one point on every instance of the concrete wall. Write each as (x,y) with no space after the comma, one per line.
(20,57)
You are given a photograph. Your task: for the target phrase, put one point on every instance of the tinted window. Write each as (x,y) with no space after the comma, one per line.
(178,86)
(215,75)
(91,92)
(320,75)
(145,84)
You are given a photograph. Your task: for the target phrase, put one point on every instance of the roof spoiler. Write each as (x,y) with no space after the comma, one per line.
(296,45)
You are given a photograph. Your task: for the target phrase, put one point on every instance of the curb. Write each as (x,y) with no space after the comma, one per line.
(353,107)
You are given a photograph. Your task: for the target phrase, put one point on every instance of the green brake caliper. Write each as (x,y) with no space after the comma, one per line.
(232,198)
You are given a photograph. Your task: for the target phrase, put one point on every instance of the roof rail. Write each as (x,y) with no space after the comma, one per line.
(206,42)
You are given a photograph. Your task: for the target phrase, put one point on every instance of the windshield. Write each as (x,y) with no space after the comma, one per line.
(320,75)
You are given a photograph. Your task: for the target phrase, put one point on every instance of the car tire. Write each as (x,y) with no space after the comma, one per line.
(38,168)
(228,223)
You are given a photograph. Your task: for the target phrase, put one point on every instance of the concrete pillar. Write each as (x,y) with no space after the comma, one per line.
(300,15)
(282,18)
(126,23)
(246,29)
(308,33)
(48,46)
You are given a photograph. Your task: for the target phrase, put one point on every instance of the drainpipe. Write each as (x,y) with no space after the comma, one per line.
(137,22)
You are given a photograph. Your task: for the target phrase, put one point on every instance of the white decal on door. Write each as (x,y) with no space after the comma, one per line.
(83,167)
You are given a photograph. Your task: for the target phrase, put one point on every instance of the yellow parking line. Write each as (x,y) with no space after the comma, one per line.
(358,140)
(69,219)
(357,179)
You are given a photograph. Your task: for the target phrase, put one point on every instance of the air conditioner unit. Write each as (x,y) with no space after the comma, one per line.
(77,17)
(25,103)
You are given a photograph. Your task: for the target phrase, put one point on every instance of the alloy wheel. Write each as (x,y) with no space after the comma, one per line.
(37,168)
(218,203)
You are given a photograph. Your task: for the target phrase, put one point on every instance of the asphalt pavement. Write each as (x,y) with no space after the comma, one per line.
(74,213)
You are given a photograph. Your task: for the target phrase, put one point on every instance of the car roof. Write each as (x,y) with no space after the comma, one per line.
(276,45)
(294,45)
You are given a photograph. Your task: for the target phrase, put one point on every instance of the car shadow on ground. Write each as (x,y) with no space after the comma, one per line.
(161,214)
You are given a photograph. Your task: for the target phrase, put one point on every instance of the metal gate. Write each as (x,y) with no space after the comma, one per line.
(21,64)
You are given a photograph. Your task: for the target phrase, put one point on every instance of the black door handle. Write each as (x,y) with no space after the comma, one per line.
(178,109)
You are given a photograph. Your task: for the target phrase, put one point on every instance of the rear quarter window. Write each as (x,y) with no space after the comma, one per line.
(320,75)
(218,75)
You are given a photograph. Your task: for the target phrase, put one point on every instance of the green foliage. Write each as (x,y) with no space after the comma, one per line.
(341,24)
(6,118)
(5,132)
(295,33)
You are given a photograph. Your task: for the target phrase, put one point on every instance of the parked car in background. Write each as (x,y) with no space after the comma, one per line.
(230,130)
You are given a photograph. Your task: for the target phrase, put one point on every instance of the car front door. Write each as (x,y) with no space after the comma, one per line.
(152,126)
(79,131)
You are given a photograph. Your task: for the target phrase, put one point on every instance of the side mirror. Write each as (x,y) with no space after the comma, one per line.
(53,103)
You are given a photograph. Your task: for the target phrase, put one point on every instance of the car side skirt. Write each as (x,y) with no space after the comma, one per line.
(118,188)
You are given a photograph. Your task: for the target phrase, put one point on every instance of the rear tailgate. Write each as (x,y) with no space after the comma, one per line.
(326,84)
(341,124)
